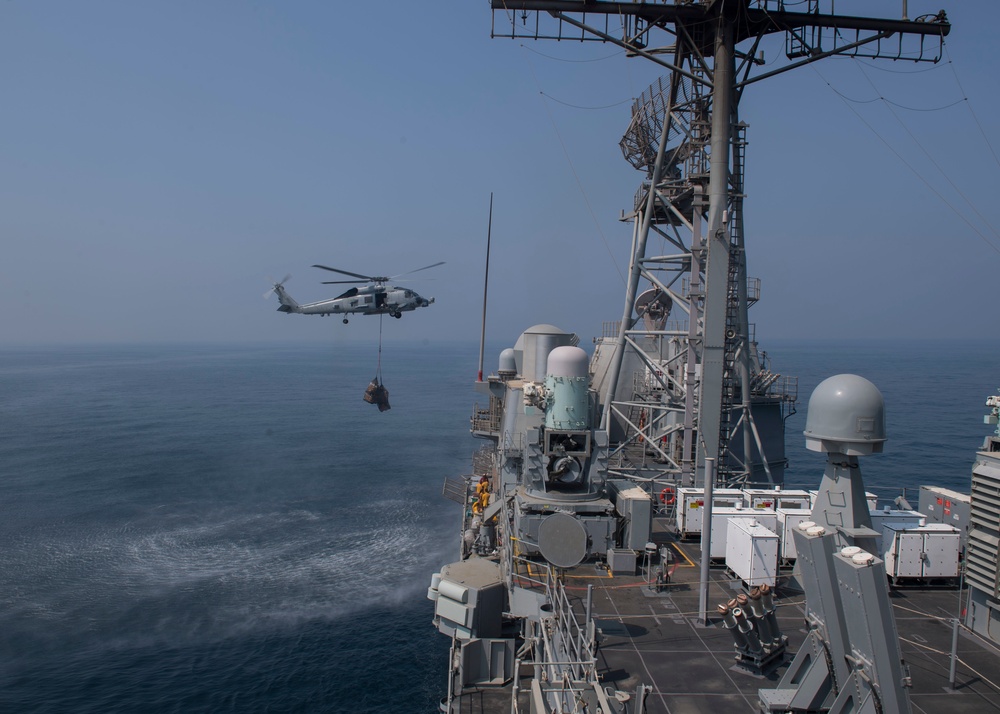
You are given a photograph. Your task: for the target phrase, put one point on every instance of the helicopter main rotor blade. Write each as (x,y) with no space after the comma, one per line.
(341,282)
(417,270)
(366,278)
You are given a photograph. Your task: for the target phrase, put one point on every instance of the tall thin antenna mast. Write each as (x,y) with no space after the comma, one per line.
(486,287)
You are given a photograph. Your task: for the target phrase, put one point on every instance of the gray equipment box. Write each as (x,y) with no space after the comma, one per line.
(788,521)
(691,507)
(942,505)
(720,526)
(752,552)
(775,498)
(925,552)
(621,561)
(884,517)
(636,509)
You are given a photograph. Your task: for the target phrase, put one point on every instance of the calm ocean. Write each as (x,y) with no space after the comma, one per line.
(223,529)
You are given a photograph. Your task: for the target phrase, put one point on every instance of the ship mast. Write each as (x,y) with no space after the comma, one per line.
(686,135)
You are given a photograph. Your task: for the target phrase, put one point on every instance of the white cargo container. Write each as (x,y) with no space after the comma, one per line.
(788,521)
(691,507)
(720,526)
(752,552)
(775,498)
(928,552)
(885,517)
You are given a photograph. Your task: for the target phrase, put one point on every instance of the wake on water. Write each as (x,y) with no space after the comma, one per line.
(203,513)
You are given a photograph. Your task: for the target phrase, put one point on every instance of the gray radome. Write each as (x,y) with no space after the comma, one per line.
(846,415)
(567,362)
(508,364)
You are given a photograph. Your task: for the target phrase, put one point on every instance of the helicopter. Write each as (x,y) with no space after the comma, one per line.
(375,298)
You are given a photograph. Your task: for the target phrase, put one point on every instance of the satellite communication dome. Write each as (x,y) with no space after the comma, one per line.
(846,416)
(508,363)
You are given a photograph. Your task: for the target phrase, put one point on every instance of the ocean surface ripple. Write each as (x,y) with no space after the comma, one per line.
(218,529)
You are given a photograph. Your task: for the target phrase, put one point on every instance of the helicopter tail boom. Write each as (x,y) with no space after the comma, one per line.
(288,304)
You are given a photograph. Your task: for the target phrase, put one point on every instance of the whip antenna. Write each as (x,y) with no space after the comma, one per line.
(486,286)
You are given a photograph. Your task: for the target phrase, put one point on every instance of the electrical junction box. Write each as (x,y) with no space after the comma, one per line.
(788,521)
(621,561)
(922,552)
(691,507)
(775,498)
(636,509)
(752,552)
(889,517)
(721,518)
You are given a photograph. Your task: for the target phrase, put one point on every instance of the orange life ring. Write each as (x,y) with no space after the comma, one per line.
(667,496)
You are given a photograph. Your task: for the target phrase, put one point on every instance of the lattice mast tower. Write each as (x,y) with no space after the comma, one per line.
(686,135)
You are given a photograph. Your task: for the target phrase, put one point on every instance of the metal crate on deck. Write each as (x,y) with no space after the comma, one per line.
(752,552)
(720,526)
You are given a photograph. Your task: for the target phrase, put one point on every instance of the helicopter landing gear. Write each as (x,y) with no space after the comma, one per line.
(397,315)
(345,320)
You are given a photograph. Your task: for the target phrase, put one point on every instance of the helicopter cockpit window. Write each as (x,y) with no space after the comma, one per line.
(408,294)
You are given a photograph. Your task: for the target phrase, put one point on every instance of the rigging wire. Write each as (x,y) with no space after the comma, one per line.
(958,83)
(931,158)
(918,109)
(574,61)
(577,106)
(880,98)
(576,176)
(908,165)
(378,369)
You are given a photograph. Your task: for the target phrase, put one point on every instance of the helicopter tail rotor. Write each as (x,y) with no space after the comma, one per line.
(275,286)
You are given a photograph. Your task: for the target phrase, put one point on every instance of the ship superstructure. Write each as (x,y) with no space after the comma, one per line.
(681,374)
(983,554)
(586,455)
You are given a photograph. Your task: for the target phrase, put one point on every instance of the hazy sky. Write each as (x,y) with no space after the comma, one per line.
(161,159)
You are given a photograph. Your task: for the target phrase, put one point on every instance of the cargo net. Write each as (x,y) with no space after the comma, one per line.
(377,394)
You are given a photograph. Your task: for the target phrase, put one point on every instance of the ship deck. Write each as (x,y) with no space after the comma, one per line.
(656,639)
